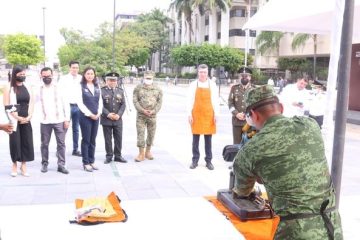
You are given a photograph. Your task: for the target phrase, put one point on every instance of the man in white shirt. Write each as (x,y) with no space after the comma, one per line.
(55,117)
(294,98)
(202,110)
(70,85)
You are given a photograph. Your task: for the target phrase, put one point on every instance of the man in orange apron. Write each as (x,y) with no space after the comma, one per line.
(202,107)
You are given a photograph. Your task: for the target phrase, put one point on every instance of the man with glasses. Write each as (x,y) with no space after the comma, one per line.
(55,117)
(287,155)
(202,111)
(147,98)
(236,103)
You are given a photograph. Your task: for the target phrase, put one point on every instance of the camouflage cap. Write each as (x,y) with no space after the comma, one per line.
(259,95)
(149,74)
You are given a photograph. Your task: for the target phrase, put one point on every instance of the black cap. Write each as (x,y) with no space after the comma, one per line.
(112,75)
(243,70)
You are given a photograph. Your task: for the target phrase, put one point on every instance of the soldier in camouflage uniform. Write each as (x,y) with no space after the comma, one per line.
(288,157)
(236,103)
(147,99)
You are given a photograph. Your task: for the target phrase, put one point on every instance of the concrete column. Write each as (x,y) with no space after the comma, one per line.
(184,30)
(212,26)
(202,28)
(177,31)
(225,27)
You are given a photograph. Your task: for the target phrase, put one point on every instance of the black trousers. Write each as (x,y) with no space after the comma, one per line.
(195,148)
(109,132)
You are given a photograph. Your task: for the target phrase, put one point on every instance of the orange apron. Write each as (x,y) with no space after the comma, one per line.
(203,113)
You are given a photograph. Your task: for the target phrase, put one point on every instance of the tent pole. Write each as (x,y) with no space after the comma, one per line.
(343,80)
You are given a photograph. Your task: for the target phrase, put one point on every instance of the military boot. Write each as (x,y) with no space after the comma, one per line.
(141,156)
(148,154)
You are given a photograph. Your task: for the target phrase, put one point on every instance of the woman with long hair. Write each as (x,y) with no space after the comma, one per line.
(90,107)
(21,139)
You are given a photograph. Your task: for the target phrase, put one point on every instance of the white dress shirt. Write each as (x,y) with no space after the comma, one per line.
(54,107)
(192,91)
(291,94)
(70,85)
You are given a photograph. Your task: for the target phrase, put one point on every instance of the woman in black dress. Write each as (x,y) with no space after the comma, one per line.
(21,139)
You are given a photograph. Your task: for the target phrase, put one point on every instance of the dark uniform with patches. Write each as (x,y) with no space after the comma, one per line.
(236,103)
(288,156)
(113,102)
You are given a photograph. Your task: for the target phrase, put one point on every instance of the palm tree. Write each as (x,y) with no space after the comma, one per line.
(184,7)
(268,41)
(300,40)
(204,5)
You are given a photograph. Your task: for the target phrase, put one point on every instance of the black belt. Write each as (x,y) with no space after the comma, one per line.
(73,104)
(328,224)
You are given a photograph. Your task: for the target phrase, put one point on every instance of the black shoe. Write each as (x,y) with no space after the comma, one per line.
(209,166)
(108,160)
(63,170)
(120,159)
(193,165)
(44,168)
(76,153)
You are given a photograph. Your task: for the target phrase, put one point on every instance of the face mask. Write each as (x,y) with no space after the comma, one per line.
(249,120)
(244,81)
(47,80)
(148,81)
(20,78)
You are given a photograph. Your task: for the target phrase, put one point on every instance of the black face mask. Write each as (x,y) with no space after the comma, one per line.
(47,80)
(20,78)
(244,81)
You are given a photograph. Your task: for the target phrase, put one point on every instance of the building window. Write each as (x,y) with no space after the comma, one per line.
(252,51)
(253,11)
(236,32)
(219,16)
(219,35)
(252,33)
(238,12)
(206,38)
(206,20)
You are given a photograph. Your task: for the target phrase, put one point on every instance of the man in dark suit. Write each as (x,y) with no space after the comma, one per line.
(111,117)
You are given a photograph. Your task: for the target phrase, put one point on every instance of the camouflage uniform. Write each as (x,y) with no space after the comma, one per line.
(236,103)
(146,98)
(288,156)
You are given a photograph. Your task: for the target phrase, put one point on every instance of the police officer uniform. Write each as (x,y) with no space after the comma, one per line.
(236,103)
(113,103)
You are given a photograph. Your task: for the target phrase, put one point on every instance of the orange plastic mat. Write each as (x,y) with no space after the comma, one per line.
(263,229)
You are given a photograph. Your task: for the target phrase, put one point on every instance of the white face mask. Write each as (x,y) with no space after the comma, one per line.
(249,120)
(148,81)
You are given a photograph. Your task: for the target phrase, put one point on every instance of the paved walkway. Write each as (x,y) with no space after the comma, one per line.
(166,177)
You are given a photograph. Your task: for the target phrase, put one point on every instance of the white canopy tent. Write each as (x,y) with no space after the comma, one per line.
(303,16)
(319,17)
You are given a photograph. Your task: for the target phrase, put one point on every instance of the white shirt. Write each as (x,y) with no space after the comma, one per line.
(54,107)
(70,85)
(291,94)
(80,103)
(317,104)
(192,91)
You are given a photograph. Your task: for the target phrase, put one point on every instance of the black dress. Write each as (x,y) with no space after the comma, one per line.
(21,141)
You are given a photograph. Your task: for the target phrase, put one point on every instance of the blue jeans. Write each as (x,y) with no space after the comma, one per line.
(195,148)
(75,115)
(89,129)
